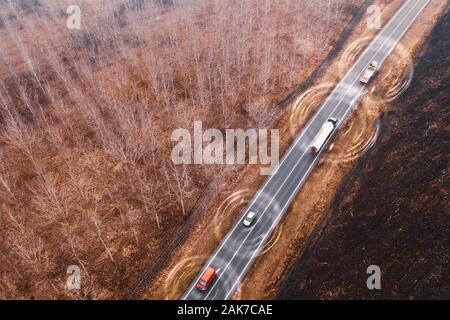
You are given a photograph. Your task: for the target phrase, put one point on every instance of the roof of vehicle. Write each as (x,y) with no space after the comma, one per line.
(251,214)
(210,272)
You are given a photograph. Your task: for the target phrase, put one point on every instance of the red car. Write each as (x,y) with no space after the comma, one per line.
(207,277)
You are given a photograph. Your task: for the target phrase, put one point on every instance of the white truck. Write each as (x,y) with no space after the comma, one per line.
(370,72)
(324,133)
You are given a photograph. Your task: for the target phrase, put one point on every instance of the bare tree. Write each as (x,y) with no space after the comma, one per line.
(96,220)
(179,183)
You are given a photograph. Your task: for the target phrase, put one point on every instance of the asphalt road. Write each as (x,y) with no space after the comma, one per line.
(241,245)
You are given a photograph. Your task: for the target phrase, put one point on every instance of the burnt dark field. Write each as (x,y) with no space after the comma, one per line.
(392,209)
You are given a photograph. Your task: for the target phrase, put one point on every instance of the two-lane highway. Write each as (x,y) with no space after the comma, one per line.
(241,245)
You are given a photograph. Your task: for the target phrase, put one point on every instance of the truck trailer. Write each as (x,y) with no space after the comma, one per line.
(324,134)
(370,72)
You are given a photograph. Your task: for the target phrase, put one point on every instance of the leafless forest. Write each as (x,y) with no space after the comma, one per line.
(86,117)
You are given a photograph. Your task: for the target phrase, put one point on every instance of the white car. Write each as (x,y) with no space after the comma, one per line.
(249,219)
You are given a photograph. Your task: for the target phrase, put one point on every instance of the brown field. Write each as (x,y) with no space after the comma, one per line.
(392,208)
